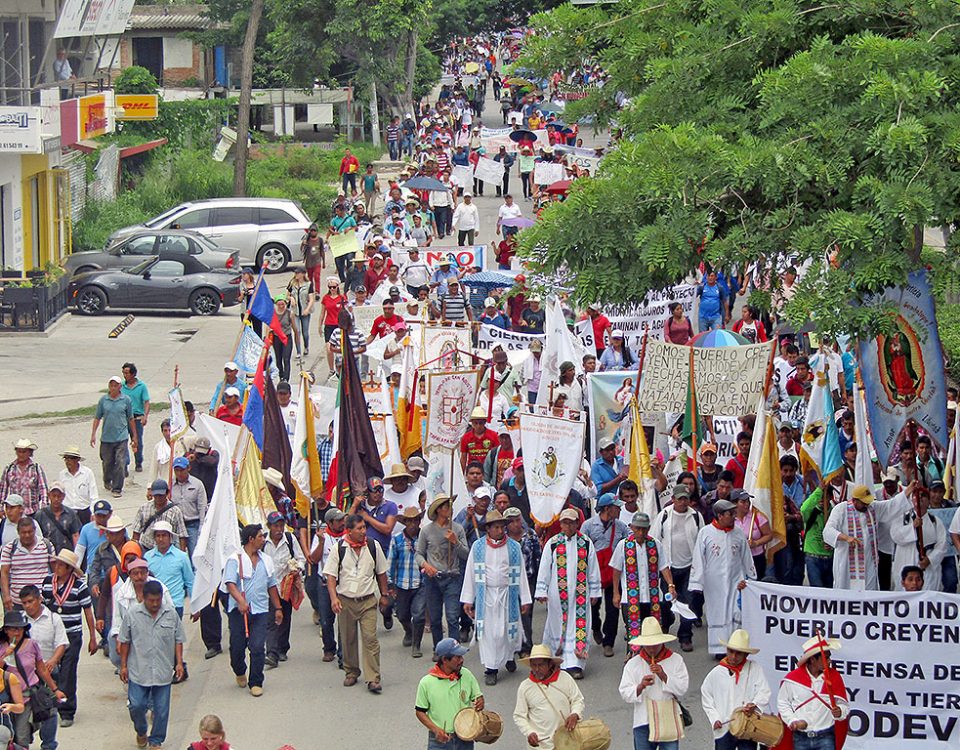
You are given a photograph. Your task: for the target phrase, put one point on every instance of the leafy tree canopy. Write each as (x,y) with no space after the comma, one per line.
(759,130)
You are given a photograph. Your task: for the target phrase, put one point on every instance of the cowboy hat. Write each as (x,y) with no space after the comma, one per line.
(410,513)
(739,640)
(541,652)
(437,502)
(72,451)
(815,645)
(273,477)
(115,523)
(25,444)
(397,471)
(478,413)
(68,557)
(494,516)
(651,634)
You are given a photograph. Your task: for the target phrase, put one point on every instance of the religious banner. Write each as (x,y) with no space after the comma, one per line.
(609,395)
(445,340)
(488,170)
(178,414)
(552,451)
(490,337)
(547,173)
(652,312)
(728,379)
(897,657)
(344,243)
(450,397)
(461,175)
(903,372)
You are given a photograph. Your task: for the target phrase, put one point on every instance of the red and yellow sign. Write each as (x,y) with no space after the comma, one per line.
(137,106)
(93,116)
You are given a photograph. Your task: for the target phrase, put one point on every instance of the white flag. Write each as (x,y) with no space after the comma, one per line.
(863,468)
(179,424)
(562,346)
(219,535)
(552,451)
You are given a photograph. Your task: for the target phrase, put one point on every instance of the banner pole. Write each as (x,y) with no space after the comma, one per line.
(176,375)
(643,356)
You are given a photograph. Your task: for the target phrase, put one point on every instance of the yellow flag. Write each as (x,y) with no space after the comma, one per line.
(639,450)
(305,466)
(252,497)
(409,414)
(768,490)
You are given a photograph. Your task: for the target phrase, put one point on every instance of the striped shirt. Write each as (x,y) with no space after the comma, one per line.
(27,566)
(355,342)
(455,307)
(403,571)
(71,610)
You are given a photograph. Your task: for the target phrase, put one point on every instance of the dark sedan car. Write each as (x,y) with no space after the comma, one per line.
(136,248)
(171,281)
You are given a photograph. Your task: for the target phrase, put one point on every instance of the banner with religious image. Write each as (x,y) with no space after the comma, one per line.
(450,398)
(552,452)
(445,342)
(903,372)
(609,395)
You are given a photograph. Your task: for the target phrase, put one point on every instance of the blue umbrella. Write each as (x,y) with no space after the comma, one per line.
(489,279)
(424,183)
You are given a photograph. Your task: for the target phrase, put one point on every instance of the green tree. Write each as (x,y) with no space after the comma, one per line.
(759,130)
(135,80)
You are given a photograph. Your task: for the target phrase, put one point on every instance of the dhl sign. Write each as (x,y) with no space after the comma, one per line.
(137,106)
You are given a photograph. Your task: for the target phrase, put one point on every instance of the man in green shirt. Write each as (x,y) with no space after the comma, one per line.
(136,390)
(818,554)
(115,410)
(443,692)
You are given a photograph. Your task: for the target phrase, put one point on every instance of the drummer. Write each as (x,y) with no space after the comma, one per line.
(735,683)
(443,692)
(541,696)
(813,699)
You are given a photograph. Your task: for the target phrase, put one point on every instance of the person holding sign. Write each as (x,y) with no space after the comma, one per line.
(341,222)
(813,700)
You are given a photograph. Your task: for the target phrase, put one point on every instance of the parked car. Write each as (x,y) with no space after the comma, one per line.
(170,281)
(133,250)
(264,230)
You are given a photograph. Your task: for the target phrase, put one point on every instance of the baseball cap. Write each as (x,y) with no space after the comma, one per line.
(181,463)
(483,491)
(640,520)
(681,490)
(159,487)
(512,512)
(489,302)
(606,442)
(333,514)
(862,493)
(13,499)
(415,463)
(230,366)
(231,391)
(723,506)
(450,647)
(201,445)
(56,486)
(100,508)
(569,514)
(616,333)
(517,463)
(738,495)
(708,448)
(274,517)
(606,500)
(116,379)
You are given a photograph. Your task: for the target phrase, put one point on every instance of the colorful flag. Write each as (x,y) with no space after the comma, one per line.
(820,440)
(639,469)
(764,482)
(903,375)
(252,497)
(305,464)
(253,409)
(262,308)
(276,452)
(409,412)
(358,457)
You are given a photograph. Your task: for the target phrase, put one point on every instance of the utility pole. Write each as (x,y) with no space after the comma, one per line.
(374,115)
(246,84)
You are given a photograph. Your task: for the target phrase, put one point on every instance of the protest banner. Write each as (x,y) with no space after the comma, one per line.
(584,158)
(363,317)
(465,256)
(552,450)
(437,340)
(897,657)
(450,397)
(903,372)
(584,331)
(653,311)
(491,337)
(728,379)
(461,175)
(493,138)
(609,395)
(547,173)
(178,414)
(344,243)
(488,170)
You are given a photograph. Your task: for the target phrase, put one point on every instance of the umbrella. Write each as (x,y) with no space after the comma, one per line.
(551,107)
(520,222)
(489,279)
(519,136)
(424,183)
(518,81)
(561,186)
(718,338)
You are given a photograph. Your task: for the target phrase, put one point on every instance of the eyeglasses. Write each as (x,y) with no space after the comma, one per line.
(376,489)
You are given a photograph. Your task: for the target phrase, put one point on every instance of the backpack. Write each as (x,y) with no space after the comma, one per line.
(342,550)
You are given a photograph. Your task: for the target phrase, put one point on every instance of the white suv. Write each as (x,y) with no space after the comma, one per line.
(264,230)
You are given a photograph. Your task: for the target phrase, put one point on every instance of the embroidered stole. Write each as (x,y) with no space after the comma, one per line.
(514,571)
(866,525)
(632,572)
(580,600)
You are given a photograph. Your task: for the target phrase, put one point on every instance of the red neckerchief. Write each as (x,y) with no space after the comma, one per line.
(441,675)
(58,596)
(552,677)
(734,670)
(651,660)
(336,534)
(356,546)
(494,544)
(718,526)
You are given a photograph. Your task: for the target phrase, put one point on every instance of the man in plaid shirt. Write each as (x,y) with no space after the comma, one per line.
(25,477)
(530,546)
(403,579)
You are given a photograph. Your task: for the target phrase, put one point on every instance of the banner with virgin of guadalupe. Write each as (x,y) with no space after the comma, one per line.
(902,372)
(552,453)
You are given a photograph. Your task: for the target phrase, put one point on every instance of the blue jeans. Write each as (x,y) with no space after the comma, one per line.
(709,324)
(454,743)
(48,733)
(407,145)
(729,742)
(393,147)
(820,571)
(327,620)
(641,740)
(949,572)
(138,455)
(255,641)
(302,323)
(822,742)
(193,534)
(443,596)
(155,698)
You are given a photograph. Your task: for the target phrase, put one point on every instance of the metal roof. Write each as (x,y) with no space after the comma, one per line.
(170,18)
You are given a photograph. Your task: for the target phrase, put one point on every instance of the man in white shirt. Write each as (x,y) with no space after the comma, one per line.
(547,700)
(812,701)
(415,272)
(509,210)
(79,483)
(466,220)
(400,489)
(288,407)
(736,683)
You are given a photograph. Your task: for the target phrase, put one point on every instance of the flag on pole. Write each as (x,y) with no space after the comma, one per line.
(179,424)
(262,308)
(692,421)
(561,346)
(219,536)
(409,412)
(820,440)
(253,409)
(276,452)
(863,467)
(640,470)
(253,501)
(305,463)
(763,479)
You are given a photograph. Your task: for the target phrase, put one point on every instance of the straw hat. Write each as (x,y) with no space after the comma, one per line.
(397,471)
(651,634)
(494,516)
(25,444)
(72,451)
(739,640)
(541,652)
(815,645)
(478,413)
(410,513)
(70,558)
(115,523)
(437,502)
(273,477)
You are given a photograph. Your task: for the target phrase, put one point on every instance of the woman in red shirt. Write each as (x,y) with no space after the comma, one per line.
(332,303)
(677,329)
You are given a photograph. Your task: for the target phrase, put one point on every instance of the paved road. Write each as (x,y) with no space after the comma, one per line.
(303,699)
